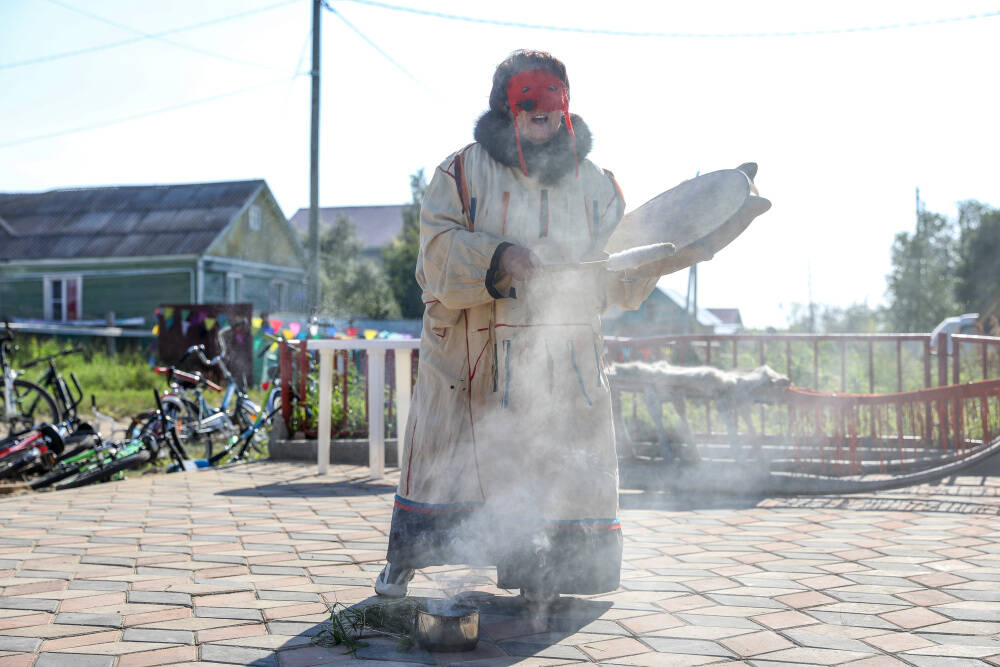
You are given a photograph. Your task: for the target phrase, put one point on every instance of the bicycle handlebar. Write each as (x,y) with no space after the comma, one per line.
(51,357)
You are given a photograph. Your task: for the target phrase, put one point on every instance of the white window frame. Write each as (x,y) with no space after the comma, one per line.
(234,285)
(254,217)
(47,296)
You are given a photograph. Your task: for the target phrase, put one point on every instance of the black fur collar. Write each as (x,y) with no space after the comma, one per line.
(548,162)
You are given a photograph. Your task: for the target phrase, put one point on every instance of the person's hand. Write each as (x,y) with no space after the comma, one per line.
(519,262)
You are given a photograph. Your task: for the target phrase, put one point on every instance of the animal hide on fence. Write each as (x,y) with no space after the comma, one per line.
(731,391)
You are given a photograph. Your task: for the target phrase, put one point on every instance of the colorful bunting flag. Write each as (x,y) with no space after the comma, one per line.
(275,325)
(295,327)
(370,334)
(256,323)
(209,323)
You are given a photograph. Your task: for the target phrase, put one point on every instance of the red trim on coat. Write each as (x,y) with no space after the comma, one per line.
(409,461)
(503,223)
(534,326)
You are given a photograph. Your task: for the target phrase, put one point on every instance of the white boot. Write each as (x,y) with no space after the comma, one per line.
(392,581)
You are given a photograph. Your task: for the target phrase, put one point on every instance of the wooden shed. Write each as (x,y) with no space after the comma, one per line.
(77,254)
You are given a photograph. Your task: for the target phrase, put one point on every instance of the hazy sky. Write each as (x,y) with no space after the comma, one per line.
(844,123)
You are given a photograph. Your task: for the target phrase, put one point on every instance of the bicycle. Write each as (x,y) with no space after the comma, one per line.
(244,441)
(56,385)
(237,411)
(23,404)
(40,450)
(104,461)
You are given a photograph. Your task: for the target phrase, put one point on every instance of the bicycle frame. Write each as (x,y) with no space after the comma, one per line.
(9,375)
(56,385)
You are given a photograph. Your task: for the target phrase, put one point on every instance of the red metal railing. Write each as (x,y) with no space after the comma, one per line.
(891,371)
(297,363)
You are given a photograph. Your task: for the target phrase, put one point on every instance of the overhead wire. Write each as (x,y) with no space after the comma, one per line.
(160,38)
(144,36)
(369,41)
(685,35)
(142,114)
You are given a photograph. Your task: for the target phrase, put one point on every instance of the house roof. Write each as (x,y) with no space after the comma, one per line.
(377,225)
(119,221)
(727,315)
(704,316)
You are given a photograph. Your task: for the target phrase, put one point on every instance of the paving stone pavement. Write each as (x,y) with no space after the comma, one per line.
(241,566)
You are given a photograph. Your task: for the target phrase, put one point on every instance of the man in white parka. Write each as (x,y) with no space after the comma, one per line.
(510,456)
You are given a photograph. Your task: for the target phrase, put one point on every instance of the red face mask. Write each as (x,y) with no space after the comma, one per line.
(538,90)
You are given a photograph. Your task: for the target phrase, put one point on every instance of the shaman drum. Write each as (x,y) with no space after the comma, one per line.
(700,217)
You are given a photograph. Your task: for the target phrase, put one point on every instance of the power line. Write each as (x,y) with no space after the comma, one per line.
(685,35)
(143,33)
(372,44)
(145,36)
(142,114)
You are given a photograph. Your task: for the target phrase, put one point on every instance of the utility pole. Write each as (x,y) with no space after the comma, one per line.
(691,300)
(312,282)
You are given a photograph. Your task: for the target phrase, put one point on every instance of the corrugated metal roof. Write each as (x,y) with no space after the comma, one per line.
(119,221)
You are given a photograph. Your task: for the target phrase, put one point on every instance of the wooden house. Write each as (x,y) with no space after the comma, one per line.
(665,312)
(80,253)
(376,226)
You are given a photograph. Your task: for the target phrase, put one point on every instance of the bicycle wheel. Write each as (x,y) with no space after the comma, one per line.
(246,416)
(32,406)
(57,475)
(106,472)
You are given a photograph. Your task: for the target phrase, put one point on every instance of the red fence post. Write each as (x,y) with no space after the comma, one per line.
(816,364)
(390,371)
(899,365)
(343,388)
(843,366)
(368,408)
(942,406)
(285,369)
(871,366)
(956,404)
(304,375)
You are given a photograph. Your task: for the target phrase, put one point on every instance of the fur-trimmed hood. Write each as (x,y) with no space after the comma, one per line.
(547,162)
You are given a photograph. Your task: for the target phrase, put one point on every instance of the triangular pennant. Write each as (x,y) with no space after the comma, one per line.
(295,327)
(275,325)
(185,325)
(256,323)
(209,323)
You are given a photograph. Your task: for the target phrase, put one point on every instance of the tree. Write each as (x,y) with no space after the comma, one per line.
(354,286)
(921,286)
(856,318)
(400,259)
(978,267)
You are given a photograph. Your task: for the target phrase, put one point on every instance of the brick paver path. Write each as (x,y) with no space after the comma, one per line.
(239,566)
